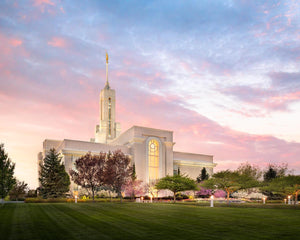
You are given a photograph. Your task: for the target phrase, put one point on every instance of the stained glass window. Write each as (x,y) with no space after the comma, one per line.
(109,116)
(153,160)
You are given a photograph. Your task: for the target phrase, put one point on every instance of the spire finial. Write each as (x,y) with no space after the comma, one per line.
(107,84)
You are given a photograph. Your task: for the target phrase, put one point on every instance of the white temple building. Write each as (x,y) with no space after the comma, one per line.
(150,149)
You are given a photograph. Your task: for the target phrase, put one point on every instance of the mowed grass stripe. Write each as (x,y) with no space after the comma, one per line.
(115,221)
(145,221)
(6,219)
(76,226)
(94,215)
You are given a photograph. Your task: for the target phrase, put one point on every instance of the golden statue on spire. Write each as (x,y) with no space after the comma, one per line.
(106,57)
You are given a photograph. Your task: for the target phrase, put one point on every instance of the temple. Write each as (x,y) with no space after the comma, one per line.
(150,149)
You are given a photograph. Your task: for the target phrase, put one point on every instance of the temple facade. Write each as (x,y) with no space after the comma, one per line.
(150,149)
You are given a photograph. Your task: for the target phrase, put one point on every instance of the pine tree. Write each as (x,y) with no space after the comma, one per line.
(7,168)
(53,178)
(133,175)
(270,174)
(203,175)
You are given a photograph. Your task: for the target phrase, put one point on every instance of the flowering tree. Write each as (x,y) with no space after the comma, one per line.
(134,188)
(89,171)
(117,171)
(151,189)
(220,194)
(204,192)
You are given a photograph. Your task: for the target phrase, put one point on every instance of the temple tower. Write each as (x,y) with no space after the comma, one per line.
(108,129)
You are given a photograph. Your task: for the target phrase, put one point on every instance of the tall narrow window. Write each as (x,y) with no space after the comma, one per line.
(153,160)
(101,109)
(109,116)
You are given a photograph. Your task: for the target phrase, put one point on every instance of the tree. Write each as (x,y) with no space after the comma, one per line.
(176,184)
(270,174)
(133,188)
(250,170)
(89,172)
(54,179)
(18,190)
(151,189)
(133,174)
(274,171)
(286,185)
(6,173)
(117,171)
(202,176)
(224,180)
(248,176)
(204,192)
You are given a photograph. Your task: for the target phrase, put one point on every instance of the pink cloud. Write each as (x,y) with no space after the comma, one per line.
(281,101)
(41,2)
(15,42)
(8,44)
(58,42)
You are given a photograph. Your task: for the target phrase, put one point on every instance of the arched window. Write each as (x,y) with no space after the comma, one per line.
(109,116)
(153,160)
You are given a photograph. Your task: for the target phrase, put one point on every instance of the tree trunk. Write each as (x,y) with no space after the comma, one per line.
(93,193)
(174,197)
(120,196)
(110,195)
(228,197)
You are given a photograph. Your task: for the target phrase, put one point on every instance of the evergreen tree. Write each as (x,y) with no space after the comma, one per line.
(53,178)
(133,175)
(7,168)
(270,174)
(203,175)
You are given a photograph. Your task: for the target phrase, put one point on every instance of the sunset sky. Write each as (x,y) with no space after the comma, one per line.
(223,75)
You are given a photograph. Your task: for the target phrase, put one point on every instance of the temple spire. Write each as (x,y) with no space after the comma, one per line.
(107,84)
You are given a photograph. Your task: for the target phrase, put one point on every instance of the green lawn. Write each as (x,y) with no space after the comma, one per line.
(145,221)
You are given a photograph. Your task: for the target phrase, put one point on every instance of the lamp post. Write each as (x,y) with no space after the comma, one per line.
(211,201)
(75,195)
(289,200)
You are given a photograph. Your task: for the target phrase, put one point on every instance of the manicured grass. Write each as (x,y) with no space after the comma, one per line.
(144,221)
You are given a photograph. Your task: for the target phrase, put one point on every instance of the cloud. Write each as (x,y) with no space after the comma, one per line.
(58,42)
(282,92)
(42,2)
(285,80)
